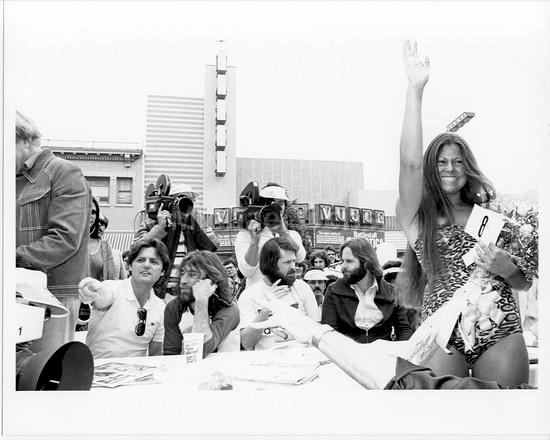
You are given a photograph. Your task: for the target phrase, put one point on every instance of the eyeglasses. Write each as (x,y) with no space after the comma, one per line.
(142,316)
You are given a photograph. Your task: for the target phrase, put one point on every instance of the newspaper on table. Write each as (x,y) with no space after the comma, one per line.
(115,374)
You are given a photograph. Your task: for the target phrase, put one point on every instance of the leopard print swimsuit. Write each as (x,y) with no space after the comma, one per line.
(452,244)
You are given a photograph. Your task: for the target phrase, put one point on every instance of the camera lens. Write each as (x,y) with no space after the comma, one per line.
(186,205)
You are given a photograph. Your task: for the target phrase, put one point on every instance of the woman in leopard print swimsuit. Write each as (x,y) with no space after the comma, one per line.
(437,192)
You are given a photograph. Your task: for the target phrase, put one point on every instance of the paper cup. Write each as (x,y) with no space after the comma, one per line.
(191,347)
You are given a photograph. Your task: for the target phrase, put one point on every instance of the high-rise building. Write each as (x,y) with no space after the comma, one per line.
(175,141)
(192,140)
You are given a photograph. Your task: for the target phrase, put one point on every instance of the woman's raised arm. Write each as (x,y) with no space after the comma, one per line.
(410,163)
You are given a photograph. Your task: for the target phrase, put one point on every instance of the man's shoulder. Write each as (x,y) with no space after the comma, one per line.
(252,291)
(340,288)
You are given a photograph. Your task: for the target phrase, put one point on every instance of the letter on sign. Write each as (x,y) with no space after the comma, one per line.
(221,216)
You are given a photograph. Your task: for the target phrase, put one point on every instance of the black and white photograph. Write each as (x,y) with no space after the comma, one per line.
(309,219)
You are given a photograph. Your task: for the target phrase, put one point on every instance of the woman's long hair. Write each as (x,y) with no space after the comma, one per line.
(435,204)
(213,269)
(94,228)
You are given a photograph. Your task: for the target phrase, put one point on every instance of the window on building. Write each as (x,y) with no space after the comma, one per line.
(124,190)
(100,188)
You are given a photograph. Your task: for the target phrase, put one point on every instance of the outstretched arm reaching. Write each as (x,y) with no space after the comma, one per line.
(410,164)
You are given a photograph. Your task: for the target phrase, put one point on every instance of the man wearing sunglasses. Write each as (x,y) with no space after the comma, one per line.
(127,317)
(205,304)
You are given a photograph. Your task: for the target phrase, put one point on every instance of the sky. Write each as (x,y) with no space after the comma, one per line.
(315,80)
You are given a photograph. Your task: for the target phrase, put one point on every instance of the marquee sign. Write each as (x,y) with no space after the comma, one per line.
(354,216)
(221,216)
(340,214)
(324,212)
(302,210)
(366,217)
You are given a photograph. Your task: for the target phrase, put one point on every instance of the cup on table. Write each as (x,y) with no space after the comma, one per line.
(191,347)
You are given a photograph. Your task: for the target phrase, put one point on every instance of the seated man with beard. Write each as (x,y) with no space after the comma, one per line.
(278,267)
(205,304)
(362,305)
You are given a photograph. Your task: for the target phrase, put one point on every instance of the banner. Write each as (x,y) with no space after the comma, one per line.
(336,237)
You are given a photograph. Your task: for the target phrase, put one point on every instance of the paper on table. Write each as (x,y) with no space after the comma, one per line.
(115,374)
(277,372)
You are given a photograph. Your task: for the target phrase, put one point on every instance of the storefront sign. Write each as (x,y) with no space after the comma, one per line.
(336,237)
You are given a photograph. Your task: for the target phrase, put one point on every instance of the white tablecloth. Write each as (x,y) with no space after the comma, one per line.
(176,374)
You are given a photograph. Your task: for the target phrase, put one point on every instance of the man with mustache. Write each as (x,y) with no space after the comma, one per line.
(277,264)
(317,281)
(205,304)
(362,305)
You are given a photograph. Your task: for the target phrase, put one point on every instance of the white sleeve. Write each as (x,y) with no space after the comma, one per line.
(247,309)
(159,334)
(242,243)
(295,237)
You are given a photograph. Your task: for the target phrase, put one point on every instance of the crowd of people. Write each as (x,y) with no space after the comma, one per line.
(272,292)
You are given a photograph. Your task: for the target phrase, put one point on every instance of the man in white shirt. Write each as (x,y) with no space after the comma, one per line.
(277,264)
(127,317)
(250,241)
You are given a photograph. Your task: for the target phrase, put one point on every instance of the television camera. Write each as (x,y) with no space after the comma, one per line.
(158,195)
(263,205)
(43,362)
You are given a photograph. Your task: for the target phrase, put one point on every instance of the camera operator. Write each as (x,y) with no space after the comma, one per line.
(250,241)
(193,235)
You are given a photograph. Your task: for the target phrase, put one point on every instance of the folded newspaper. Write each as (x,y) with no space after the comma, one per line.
(115,374)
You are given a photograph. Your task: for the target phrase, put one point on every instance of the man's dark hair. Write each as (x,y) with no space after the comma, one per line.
(364,252)
(161,248)
(330,248)
(94,228)
(319,254)
(230,261)
(271,252)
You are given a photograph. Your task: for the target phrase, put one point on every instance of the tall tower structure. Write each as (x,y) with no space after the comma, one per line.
(220,168)
(175,141)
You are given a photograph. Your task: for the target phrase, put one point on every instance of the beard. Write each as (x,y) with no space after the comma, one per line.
(186,294)
(276,274)
(354,276)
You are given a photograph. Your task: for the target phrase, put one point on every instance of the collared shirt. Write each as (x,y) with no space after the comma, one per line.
(29,163)
(299,295)
(112,330)
(367,314)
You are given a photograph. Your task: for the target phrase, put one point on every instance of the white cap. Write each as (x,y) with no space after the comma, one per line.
(274,192)
(315,275)
(180,188)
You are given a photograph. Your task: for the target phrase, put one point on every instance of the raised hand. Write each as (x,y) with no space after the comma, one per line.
(255,229)
(276,291)
(418,69)
(89,290)
(203,289)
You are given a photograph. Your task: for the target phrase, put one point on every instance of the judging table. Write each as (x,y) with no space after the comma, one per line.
(175,373)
